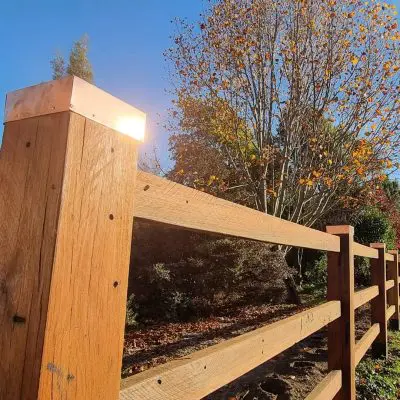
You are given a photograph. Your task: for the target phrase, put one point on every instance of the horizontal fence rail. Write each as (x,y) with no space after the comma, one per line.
(389,284)
(365,342)
(160,200)
(365,295)
(390,311)
(364,251)
(389,257)
(328,388)
(202,372)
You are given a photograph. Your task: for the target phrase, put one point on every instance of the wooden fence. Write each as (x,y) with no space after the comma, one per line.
(68,182)
(199,374)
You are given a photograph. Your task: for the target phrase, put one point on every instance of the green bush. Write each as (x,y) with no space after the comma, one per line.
(316,277)
(373,226)
(362,273)
(191,275)
(374,383)
(380,379)
(131,314)
(220,274)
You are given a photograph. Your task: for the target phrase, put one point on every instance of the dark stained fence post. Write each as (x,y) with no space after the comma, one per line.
(393,294)
(341,333)
(379,303)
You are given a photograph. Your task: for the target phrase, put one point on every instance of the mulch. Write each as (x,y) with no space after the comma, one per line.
(291,375)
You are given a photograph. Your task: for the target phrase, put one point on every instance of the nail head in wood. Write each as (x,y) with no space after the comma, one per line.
(18,319)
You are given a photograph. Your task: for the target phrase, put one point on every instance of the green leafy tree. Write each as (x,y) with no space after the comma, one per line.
(374,226)
(392,190)
(79,64)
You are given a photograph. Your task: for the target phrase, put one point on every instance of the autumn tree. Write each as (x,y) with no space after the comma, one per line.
(79,64)
(199,153)
(299,99)
(387,201)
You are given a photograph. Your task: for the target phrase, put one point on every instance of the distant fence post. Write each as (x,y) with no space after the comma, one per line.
(379,303)
(393,294)
(341,333)
(67,181)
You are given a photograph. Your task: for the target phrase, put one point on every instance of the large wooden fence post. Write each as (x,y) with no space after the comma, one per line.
(341,333)
(379,303)
(67,177)
(393,294)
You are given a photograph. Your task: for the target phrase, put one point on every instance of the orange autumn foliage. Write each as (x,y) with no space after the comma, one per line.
(299,100)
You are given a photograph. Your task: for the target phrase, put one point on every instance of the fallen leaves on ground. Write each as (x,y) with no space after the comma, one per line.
(157,343)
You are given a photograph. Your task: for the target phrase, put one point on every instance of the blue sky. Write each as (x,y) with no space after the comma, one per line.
(127,38)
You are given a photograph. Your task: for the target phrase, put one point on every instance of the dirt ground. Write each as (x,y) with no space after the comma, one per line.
(291,375)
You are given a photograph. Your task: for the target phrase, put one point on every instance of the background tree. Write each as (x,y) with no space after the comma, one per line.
(79,64)
(387,201)
(58,66)
(299,98)
(199,153)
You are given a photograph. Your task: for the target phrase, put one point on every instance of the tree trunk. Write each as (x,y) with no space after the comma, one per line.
(293,295)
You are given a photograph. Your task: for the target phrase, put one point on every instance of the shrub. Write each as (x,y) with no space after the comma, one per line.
(362,274)
(373,226)
(195,275)
(380,379)
(131,314)
(316,276)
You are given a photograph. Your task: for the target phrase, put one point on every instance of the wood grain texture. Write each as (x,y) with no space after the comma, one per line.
(366,341)
(160,200)
(389,284)
(31,171)
(390,312)
(364,251)
(341,333)
(202,372)
(85,324)
(389,257)
(365,295)
(379,303)
(328,388)
(393,295)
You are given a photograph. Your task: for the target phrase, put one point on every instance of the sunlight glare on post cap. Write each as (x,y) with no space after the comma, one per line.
(74,94)
(133,126)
